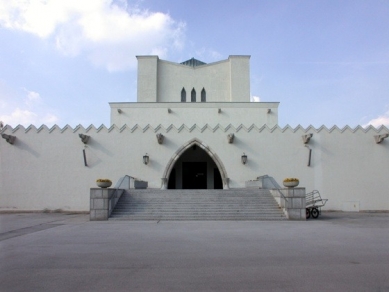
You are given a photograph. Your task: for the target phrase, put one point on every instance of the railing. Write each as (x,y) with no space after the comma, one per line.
(123,183)
(268,182)
(293,203)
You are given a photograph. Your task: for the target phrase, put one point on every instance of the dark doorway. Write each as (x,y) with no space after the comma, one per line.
(172,180)
(217,179)
(194,175)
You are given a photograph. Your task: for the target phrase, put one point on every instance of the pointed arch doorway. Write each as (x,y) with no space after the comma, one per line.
(195,166)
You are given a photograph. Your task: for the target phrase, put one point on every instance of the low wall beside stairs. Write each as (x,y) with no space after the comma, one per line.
(292,201)
(102,202)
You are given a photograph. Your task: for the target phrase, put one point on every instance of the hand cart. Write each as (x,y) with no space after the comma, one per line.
(313,203)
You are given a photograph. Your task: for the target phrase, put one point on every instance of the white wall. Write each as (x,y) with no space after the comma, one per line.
(223,81)
(45,167)
(147,78)
(201,114)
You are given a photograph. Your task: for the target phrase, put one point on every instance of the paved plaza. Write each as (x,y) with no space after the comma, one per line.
(66,252)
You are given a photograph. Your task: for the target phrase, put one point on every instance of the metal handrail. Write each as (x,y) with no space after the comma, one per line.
(273,182)
(120,182)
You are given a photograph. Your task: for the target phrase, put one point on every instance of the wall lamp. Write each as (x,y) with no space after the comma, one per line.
(119,111)
(84,138)
(146,159)
(244,158)
(380,138)
(10,139)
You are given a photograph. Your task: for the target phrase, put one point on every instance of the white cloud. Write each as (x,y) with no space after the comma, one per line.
(379,121)
(108,32)
(35,112)
(254,98)
(208,53)
(32,98)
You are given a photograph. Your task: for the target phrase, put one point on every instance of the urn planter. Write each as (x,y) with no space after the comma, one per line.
(104,184)
(291,184)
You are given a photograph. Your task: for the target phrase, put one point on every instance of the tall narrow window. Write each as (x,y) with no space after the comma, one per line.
(203,95)
(183,95)
(193,95)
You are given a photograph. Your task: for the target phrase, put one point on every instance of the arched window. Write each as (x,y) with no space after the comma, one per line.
(183,95)
(203,95)
(193,95)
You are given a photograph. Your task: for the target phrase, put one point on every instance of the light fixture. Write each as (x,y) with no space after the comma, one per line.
(84,138)
(119,111)
(269,110)
(146,159)
(219,110)
(10,139)
(169,110)
(244,158)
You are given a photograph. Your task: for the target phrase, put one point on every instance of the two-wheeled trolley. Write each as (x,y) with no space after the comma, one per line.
(314,202)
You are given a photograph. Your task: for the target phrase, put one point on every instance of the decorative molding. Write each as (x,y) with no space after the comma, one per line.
(306,138)
(160,138)
(55,128)
(84,138)
(32,127)
(91,128)
(183,127)
(102,127)
(9,138)
(380,138)
(230,138)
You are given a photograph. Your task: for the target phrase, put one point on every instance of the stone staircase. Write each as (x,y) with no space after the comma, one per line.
(233,204)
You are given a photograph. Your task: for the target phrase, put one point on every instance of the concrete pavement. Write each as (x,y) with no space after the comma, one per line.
(58,252)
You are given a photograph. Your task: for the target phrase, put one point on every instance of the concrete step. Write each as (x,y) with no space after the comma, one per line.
(237,204)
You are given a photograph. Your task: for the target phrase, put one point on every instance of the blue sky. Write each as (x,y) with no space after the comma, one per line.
(325,61)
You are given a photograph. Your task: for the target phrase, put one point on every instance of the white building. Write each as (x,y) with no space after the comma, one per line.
(195,123)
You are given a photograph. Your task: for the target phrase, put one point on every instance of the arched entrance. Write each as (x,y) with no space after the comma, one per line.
(195,165)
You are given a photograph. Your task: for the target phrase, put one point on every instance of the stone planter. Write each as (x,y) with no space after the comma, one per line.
(104,184)
(291,184)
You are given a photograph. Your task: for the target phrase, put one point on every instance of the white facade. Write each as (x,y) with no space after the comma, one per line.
(163,81)
(44,168)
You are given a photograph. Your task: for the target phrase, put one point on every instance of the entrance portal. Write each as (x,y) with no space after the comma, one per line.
(195,166)
(194,175)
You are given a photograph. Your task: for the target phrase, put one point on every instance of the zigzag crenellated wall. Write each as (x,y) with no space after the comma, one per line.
(161,128)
